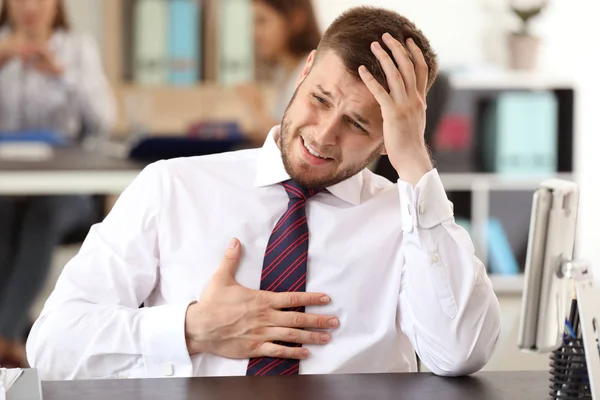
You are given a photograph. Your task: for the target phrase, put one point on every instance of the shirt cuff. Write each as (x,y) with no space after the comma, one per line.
(163,341)
(425,205)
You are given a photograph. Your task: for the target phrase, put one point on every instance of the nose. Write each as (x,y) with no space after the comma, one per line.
(328,131)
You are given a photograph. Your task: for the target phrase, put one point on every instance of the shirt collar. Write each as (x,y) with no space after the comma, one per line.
(270,170)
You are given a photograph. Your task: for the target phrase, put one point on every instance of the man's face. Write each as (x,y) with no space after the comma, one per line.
(332,128)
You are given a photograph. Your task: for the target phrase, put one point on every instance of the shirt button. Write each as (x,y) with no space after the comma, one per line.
(167,369)
(421,208)
(435,258)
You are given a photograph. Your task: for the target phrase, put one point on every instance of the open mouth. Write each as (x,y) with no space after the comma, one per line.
(314,153)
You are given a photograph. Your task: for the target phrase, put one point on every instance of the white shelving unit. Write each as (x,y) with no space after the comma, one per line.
(491,181)
(481,185)
(509,80)
(508,284)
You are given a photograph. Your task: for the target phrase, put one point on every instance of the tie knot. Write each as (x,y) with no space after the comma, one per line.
(297,191)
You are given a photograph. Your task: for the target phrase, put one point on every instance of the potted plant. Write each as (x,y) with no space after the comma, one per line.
(524,45)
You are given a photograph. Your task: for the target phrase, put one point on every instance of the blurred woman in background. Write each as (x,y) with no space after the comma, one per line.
(51,79)
(285,32)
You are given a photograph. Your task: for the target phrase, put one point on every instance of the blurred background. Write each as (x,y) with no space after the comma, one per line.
(515,103)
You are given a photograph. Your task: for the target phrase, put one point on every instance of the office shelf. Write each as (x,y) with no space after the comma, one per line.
(172,108)
(491,181)
(510,80)
(508,284)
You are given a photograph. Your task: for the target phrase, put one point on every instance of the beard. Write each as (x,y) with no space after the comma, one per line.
(303,174)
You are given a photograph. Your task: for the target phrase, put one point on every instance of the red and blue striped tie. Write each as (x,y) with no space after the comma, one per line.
(284,269)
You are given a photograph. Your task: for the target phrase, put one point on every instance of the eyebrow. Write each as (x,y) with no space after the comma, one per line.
(325,92)
(360,119)
(355,115)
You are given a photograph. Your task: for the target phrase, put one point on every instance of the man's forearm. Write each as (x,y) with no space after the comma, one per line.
(413,165)
(448,307)
(80,340)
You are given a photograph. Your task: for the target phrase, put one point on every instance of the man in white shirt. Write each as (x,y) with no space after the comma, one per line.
(387,271)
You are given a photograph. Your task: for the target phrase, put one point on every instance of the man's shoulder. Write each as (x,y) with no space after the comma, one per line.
(232,163)
(376,183)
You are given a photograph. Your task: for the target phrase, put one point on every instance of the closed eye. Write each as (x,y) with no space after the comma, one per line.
(320,99)
(357,125)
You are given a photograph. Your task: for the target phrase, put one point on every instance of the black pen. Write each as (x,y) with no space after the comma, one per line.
(573,311)
(575,323)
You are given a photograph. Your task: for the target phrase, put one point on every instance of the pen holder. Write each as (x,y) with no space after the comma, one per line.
(568,371)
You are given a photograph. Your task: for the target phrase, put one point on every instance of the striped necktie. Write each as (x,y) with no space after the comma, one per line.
(284,269)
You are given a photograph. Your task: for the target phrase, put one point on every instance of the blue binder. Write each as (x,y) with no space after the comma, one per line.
(38,136)
(520,133)
(501,258)
(184,42)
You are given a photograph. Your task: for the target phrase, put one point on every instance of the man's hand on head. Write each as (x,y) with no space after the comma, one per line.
(403,108)
(232,321)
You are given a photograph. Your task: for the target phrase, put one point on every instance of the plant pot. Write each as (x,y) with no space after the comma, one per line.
(523,51)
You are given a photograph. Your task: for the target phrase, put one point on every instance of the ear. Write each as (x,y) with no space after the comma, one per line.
(383,151)
(307,66)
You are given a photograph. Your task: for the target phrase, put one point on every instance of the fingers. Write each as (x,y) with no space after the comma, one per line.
(230,261)
(269,349)
(393,77)
(299,336)
(303,320)
(297,299)
(405,65)
(380,94)
(421,69)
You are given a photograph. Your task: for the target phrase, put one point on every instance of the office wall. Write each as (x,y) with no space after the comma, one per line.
(454,27)
(582,53)
(471,33)
(87,17)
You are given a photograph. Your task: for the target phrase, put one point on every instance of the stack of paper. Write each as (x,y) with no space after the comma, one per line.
(26,151)
(7,378)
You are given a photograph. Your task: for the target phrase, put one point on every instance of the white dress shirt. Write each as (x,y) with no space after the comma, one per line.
(401,274)
(81,97)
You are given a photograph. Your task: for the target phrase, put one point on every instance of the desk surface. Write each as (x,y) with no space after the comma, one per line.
(70,159)
(69,171)
(523,385)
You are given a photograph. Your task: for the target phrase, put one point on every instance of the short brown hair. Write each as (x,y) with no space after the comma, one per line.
(308,37)
(61,21)
(351,34)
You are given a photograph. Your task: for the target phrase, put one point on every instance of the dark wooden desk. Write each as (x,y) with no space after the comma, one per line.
(529,385)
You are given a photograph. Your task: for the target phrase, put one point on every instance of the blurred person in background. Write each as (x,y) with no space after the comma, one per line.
(51,79)
(285,32)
